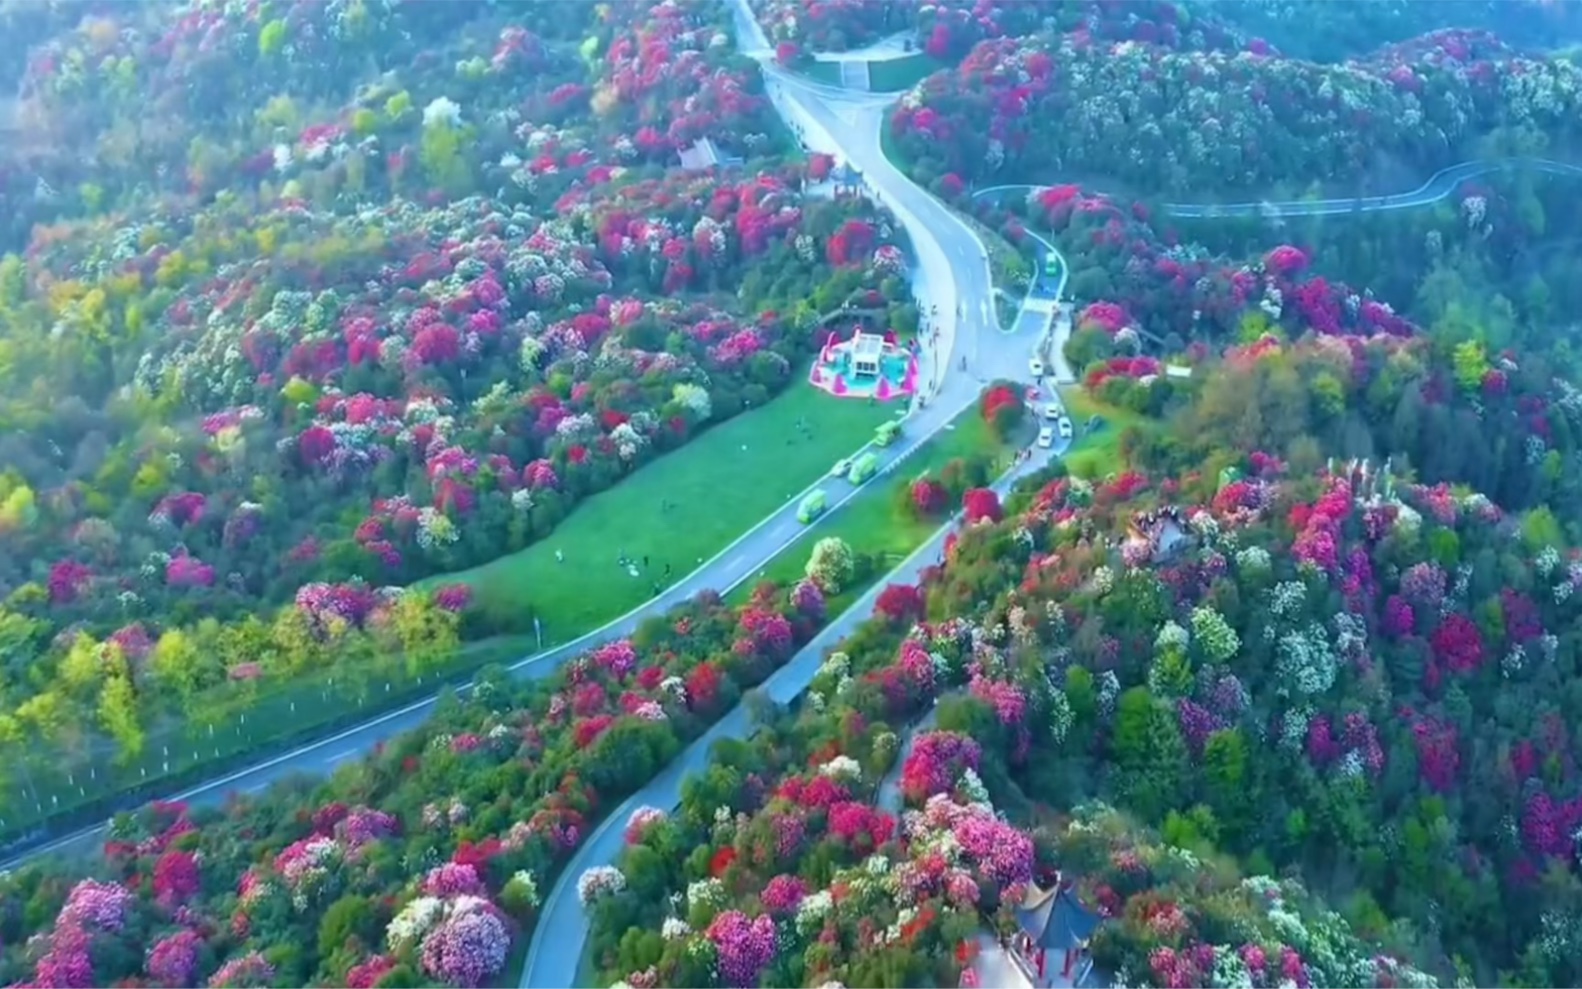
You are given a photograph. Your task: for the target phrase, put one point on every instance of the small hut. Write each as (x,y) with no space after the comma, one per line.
(1054,920)
(867,349)
(705,154)
(846,179)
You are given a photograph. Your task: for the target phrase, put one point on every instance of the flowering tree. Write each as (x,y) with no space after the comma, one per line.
(981,504)
(1002,408)
(831,565)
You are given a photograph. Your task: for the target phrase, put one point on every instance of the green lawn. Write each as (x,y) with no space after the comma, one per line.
(717,487)
(827,73)
(894,74)
(1097,454)
(873,524)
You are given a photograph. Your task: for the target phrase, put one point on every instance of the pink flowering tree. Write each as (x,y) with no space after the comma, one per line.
(936,764)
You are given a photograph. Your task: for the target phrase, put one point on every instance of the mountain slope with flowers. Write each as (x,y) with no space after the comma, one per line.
(411,290)
(1331,669)
(1153,119)
(1325,668)
(421,865)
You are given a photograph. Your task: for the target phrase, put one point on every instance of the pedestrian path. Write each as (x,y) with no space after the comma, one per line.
(994,967)
(890,795)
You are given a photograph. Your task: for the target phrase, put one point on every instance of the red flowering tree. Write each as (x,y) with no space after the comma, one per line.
(1458,644)
(928,498)
(1438,753)
(851,244)
(900,603)
(981,503)
(1001,407)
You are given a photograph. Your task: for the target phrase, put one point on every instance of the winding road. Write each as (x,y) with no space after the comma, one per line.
(1439,186)
(953,267)
(562,932)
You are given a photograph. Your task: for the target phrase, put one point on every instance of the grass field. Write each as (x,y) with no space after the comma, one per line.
(827,73)
(719,491)
(872,523)
(715,488)
(1097,454)
(895,74)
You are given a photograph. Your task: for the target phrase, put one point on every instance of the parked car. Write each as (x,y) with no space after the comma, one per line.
(1065,427)
(1046,437)
(1054,411)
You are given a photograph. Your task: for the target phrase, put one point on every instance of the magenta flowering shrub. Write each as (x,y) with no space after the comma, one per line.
(1000,853)
(250,971)
(783,894)
(453,879)
(383,328)
(1031,109)
(173,960)
(936,764)
(95,905)
(469,946)
(745,946)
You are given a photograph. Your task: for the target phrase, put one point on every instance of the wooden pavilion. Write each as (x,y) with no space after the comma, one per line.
(1054,920)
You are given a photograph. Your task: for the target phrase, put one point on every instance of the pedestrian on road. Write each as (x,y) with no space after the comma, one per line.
(560,557)
(645,561)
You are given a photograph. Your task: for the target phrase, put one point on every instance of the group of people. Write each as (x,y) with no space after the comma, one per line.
(630,565)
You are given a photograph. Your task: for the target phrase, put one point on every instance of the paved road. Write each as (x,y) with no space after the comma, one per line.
(954,268)
(562,932)
(1439,186)
(736,564)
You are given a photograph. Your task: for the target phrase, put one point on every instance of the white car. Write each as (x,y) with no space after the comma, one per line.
(1046,437)
(841,468)
(1036,365)
(1053,411)
(1064,425)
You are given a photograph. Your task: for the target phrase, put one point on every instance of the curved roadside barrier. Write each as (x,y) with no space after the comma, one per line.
(1438,187)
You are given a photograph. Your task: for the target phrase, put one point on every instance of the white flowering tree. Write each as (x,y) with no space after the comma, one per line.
(832,565)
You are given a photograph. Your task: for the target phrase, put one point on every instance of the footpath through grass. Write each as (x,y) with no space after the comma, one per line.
(679,511)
